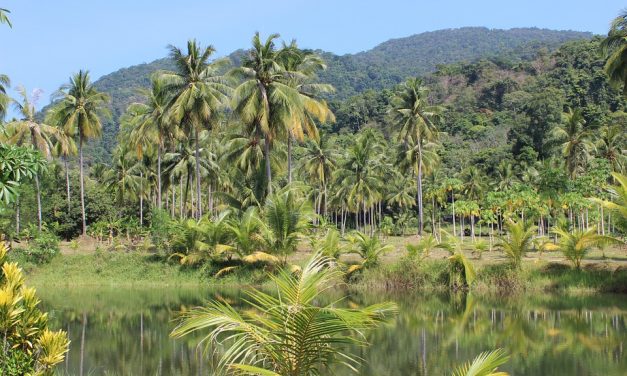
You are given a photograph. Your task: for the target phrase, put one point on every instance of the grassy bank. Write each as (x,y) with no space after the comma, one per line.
(554,277)
(125,269)
(137,269)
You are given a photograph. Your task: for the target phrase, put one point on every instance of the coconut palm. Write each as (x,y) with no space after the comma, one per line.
(618,203)
(246,232)
(416,120)
(318,164)
(64,147)
(575,245)
(361,174)
(264,101)
(615,49)
(4,18)
(485,364)
(4,98)
(610,145)
(202,240)
(452,185)
(369,248)
(28,131)
(424,247)
(122,178)
(301,68)
(288,333)
(198,92)
(574,139)
(80,110)
(286,218)
(518,242)
(180,165)
(153,125)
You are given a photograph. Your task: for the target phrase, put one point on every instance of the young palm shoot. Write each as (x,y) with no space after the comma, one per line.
(287,334)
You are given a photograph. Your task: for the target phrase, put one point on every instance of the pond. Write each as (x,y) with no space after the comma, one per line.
(125,331)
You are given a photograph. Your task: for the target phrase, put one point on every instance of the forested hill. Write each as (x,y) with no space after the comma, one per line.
(383,66)
(391,62)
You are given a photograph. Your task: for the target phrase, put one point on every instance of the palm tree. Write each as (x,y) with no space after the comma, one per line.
(4,98)
(369,248)
(153,124)
(64,147)
(609,146)
(577,244)
(416,120)
(263,99)
(618,204)
(28,131)
(121,178)
(318,165)
(615,49)
(289,335)
(286,218)
(180,165)
(4,19)
(361,175)
(198,92)
(485,364)
(452,185)
(573,138)
(80,110)
(518,242)
(246,232)
(301,68)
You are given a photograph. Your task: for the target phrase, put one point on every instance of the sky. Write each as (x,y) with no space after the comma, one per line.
(51,39)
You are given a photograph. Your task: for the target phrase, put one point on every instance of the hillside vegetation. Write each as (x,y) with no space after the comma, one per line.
(381,67)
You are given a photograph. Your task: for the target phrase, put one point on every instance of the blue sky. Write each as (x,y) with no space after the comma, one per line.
(51,39)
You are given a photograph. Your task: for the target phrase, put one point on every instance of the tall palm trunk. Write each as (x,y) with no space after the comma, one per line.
(38,191)
(453,199)
(141,198)
(419,184)
(159,175)
(266,149)
(289,158)
(197,156)
(80,161)
(67,185)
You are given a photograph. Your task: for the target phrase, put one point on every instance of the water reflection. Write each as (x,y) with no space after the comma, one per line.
(125,332)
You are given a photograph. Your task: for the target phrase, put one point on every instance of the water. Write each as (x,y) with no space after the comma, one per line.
(125,332)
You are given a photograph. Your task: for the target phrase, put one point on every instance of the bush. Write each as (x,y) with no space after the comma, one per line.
(15,363)
(26,344)
(43,248)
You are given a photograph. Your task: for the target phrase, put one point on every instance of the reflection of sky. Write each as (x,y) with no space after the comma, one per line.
(52,39)
(126,332)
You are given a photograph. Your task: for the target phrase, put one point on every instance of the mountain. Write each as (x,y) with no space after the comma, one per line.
(383,66)
(393,61)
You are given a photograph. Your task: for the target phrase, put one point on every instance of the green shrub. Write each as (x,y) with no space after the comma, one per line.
(43,248)
(15,363)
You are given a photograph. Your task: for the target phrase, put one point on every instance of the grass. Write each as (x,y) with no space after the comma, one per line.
(125,269)
(90,266)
